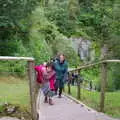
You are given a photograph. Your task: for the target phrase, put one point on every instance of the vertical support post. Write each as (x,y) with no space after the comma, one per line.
(78,86)
(103,85)
(32,84)
(69,90)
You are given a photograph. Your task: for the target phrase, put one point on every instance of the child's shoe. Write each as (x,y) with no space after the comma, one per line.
(46,100)
(59,96)
(50,102)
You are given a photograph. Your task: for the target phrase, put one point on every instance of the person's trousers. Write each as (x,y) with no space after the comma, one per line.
(59,85)
(60,90)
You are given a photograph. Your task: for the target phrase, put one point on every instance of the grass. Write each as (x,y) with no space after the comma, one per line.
(92,99)
(14,90)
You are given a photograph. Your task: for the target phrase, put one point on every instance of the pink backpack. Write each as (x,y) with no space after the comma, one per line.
(39,69)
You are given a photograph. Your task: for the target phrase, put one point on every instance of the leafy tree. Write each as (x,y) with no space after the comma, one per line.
(73,8)
(13,21)
(42,31)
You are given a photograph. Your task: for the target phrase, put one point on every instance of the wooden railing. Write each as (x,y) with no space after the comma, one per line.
(103,65)
(32,83)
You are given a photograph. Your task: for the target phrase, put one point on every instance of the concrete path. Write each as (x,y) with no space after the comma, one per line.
(66,109)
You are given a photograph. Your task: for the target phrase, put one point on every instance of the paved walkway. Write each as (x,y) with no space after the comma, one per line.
(66,109)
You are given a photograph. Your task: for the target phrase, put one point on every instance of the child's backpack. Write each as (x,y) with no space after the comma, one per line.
(39,69)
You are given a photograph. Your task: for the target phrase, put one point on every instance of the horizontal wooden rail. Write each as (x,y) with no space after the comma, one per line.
(16,58)
(112,61)
(91,65)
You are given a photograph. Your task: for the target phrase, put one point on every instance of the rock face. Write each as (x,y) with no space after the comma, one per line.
(83,48)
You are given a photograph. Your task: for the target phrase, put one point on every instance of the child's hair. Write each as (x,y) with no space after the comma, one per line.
(49,64)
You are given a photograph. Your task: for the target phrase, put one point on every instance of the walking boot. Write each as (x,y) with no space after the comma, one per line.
(46,99)
(51,102)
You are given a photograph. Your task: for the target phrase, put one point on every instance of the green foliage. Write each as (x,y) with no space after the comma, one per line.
(40,49)
(42,31)
(14,23)
(116,76)
(73,8)
(92,75)
(95,20)
(114,41)
(113,82)
(59,15)
(1,108)
(13,68)
(13,10)
(13,47)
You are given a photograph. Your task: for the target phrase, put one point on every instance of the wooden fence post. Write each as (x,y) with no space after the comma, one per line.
(103,85)
(32,84)
(69,89)
(78,86)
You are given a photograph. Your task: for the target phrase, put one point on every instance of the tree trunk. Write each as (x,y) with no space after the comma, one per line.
(104,52)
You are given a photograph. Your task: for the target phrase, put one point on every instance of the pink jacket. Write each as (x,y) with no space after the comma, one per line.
(40,70)
(52,81)
(50,77)
(42,75)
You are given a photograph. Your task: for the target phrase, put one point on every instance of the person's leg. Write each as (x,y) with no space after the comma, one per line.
(46,99)
(51,101)
(56,89)
(50,95)
(60,92)
(45,91)
(61,86)
(56,86)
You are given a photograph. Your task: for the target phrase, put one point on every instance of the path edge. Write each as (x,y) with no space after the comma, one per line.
(79,102)
(88,108)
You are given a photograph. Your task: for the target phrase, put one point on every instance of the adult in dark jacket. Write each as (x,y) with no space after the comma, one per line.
(61,68)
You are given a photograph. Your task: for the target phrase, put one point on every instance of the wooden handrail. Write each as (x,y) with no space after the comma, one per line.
(93,64)
(16,58)
(117,61)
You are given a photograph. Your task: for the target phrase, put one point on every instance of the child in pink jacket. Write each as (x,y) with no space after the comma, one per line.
(48,78)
